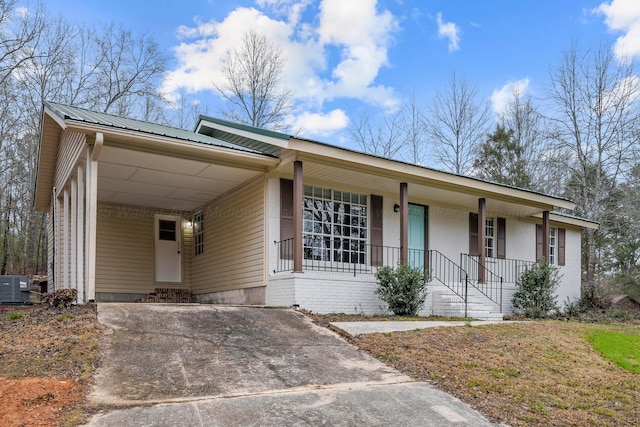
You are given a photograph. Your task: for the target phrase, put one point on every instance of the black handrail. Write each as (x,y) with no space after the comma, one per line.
(450,274)
(491,284)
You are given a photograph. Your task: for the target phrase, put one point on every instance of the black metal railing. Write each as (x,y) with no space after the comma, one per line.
(361,261)
(482,279)
(509,269)
(450,274)
(435,264)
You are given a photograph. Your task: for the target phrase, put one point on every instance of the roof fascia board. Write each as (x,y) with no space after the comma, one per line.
(158,144)
(51,113)
(42,198)
(419,175)
(282,143)
(578,222)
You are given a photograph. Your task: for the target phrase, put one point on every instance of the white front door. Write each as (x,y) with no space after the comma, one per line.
(168,249)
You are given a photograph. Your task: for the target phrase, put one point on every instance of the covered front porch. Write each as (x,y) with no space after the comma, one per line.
(322,256)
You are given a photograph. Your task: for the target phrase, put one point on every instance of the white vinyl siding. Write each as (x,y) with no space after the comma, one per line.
(234,241)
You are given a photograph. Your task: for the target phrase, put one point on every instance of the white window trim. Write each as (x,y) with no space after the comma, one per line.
(329,254)
(553,246)
(197,224)
(490,237)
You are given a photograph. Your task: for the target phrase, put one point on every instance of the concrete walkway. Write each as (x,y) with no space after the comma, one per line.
(205,365)
(357,328)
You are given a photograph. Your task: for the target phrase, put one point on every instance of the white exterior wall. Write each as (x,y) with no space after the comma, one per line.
(390,222)
(571,273)
(326,292)
(521,240)
(449,232)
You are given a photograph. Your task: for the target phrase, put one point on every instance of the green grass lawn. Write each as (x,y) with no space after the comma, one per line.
(621,348)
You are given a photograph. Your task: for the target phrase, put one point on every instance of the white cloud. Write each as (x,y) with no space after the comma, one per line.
(500,97)
(623,16)
(450,31)
(201,60)
(321,124)
(334,51)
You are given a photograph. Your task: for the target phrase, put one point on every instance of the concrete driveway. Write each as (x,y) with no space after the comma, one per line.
(206,365)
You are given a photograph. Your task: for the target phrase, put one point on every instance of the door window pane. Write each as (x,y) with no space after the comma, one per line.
(166,230)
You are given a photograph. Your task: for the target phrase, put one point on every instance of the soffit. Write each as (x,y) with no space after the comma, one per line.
(153,180)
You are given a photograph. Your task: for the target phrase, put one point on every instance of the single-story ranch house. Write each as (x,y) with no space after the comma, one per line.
(241,215)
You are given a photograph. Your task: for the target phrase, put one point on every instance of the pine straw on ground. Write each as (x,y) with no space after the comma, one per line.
(47,356)
(522,374)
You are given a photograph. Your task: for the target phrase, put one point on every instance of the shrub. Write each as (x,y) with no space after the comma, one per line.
(535,292)
(61,297)
(403,289)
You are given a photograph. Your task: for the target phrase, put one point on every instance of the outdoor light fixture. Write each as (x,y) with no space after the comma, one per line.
(396,208)
(189,223)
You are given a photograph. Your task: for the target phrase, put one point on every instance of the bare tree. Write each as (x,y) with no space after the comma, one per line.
(383,137)
(185,111)
(127,67)
(413,125)
(18,32)
(252,87)
(595,105)
(456,122)
(113,70)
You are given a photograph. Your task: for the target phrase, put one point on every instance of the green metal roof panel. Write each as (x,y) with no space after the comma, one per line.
(104,119)
(247,128)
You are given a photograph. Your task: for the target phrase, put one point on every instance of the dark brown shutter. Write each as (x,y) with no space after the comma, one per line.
(539,240)
(376,230)
(286,218)
(473,234)
(502,238)
(562,238)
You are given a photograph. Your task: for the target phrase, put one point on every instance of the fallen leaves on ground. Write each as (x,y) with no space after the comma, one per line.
(46,359)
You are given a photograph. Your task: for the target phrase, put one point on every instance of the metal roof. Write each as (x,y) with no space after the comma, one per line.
(67,112)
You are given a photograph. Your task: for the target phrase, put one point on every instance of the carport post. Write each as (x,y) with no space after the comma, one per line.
(297,216)
(91,210)
(80,236)
(73,283)
(65,239)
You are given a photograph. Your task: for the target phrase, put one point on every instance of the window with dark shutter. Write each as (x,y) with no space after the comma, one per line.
(562,237)
(473,234)
(502,238)
(376,230)
(286,218)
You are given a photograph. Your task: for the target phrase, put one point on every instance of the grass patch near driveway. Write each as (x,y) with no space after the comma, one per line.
(621,348)
(522,374)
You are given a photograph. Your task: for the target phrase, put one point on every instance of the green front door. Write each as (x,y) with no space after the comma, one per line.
(417,235)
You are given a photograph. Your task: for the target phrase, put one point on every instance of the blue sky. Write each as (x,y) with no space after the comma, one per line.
(346,55)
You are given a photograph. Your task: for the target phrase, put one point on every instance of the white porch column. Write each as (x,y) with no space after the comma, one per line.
(73,283)
(91,209)
(64,283)
(57,253)
(80,237)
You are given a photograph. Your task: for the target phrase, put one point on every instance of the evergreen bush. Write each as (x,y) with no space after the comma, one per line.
(404,289)
(535,294)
